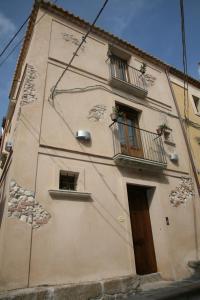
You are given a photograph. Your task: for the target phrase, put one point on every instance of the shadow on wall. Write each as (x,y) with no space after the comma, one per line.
(101,209)
(2,206)
(146,174)
(2,201)
(161,179)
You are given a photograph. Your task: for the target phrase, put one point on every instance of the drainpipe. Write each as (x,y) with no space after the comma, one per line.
(184,134)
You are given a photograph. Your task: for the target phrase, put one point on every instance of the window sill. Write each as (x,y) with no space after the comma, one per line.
(60,194)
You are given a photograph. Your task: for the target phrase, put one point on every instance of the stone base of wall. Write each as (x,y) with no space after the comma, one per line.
(112,289)
(129,287)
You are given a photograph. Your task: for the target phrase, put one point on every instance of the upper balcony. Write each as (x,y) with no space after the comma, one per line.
(137,147)
(127,78)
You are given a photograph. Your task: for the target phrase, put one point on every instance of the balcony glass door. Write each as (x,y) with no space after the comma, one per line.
(119,68)
(129,135)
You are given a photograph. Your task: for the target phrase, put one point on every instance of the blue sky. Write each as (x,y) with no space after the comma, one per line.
(152,25)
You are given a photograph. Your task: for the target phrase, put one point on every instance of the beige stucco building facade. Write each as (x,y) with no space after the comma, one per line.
(84,198)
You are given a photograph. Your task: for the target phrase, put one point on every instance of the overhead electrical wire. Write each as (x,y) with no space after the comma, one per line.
(10,53)
(79,46)
(14,37)
(184,60)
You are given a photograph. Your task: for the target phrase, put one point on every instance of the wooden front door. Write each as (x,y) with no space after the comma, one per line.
(129,133)
(145,259)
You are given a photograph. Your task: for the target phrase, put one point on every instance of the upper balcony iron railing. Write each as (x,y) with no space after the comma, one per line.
(137,145)
(126,77)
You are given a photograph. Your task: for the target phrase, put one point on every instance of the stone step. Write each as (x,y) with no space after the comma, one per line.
(165,290)
(153,277)
(152,282)
(154,285)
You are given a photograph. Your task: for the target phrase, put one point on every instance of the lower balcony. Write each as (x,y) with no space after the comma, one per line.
(137,147)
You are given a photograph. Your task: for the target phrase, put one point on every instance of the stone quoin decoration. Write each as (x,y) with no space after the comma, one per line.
(23,206)
(70,38)
(182,193)
(96,113)
(29,90)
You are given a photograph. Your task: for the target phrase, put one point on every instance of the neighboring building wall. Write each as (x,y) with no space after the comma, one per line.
(193,114)
(73,240)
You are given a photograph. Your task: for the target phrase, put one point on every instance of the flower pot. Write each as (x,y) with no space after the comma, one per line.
(159,131)
(113,117)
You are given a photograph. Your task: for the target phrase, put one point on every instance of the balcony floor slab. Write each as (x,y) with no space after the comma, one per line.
(127,87)
(131,161)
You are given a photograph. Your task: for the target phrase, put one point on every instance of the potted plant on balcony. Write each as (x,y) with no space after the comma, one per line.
(163,129)
(143,68)
(116,113)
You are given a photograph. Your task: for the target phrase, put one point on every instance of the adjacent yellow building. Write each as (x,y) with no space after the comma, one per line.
(190,114)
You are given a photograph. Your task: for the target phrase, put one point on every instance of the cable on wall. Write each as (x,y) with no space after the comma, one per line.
(79,46)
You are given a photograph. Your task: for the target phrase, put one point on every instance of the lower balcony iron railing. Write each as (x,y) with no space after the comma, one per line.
(137,145)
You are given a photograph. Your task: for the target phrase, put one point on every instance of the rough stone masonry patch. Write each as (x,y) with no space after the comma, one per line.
(23,206)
